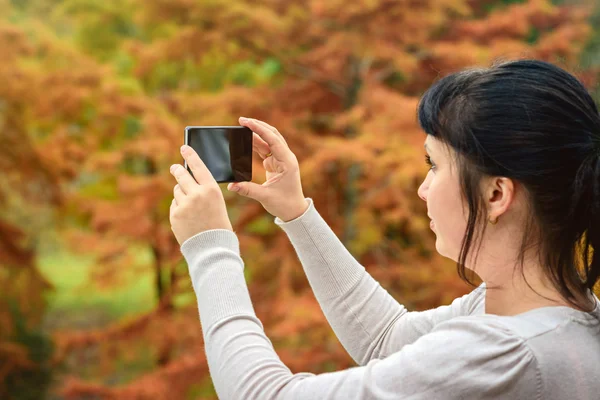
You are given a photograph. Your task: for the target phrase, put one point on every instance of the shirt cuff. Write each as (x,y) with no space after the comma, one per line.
(210,239)
(298,220)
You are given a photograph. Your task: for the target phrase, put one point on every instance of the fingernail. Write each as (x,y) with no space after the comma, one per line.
(173,167)
(234,188)
(183,149)
(244,119)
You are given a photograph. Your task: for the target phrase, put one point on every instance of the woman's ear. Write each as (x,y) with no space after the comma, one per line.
(499,195)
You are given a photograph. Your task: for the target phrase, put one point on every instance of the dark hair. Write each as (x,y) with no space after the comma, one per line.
(535,123)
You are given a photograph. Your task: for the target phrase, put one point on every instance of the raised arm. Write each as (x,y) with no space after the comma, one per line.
(369,322)
(492,362)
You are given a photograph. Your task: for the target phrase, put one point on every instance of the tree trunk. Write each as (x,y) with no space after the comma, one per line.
(158,281)
(354,171)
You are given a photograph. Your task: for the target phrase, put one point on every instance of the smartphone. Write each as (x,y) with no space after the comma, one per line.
(225,150)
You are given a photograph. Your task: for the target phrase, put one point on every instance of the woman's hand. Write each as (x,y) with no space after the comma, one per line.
(281,195)
(198,205)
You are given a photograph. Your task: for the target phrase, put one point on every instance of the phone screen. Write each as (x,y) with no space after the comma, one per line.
(225,150)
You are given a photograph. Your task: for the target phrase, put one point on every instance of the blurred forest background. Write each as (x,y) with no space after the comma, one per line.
(95,300)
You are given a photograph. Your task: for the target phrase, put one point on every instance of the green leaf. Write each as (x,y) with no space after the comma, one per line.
(270,68)
(105,189)
(133,127)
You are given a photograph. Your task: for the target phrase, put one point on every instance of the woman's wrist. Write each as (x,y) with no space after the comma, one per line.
(295,211)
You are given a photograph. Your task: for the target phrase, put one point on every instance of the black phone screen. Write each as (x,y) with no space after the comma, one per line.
(225,150)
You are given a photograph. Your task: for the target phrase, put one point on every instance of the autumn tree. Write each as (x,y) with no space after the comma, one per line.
(345,83)
(341,80)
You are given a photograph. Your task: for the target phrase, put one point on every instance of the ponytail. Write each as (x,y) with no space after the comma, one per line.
(585,212)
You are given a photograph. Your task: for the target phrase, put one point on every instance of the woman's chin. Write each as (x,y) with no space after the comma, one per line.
(443,251)
(440,246)
(439,250)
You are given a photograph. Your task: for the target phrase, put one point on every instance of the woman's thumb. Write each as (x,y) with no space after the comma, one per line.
(246,189)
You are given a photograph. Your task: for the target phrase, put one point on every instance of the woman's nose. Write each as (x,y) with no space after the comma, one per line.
(422,192)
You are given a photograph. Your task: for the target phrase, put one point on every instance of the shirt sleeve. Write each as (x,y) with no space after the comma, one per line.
(368,321)
(462,358)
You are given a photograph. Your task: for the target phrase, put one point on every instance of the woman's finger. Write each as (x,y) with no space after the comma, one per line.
(201,173)
(276,144)
(260,146)
(273,129)
(178,195)
(184,178)
(172,208)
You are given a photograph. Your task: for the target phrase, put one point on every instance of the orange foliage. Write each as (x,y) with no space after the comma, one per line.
(344,92)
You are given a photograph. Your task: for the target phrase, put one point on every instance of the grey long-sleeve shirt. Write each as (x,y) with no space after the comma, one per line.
(451,352)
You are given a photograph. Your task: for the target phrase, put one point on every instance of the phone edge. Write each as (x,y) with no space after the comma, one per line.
(185,141)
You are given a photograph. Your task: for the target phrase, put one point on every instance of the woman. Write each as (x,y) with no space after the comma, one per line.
(513,194)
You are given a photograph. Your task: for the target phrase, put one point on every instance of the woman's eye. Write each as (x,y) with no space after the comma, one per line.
(429,162)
